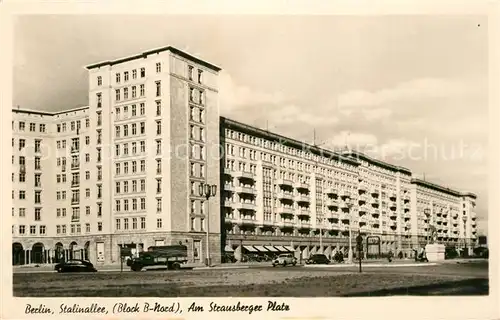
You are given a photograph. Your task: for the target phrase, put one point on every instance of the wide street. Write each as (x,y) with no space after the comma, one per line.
(300,281)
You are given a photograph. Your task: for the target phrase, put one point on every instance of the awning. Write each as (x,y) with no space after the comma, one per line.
(228,249)
(289,248)
(272,249)
(250,248)
(261,248)
(281,248)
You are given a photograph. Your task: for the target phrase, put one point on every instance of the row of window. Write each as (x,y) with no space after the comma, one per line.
(37,213)
(22,195)
(37,179)
(32,126)
(133,223)
(133,92)
(277,146)
(42,230)
(124,148)
(133,129)
(76,228)
(133,165)
(133,111)
(74,125)
(37,146)
(124,187)
(135,204)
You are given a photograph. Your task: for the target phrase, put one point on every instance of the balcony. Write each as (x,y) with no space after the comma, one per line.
(344,217)
(230,219)
(63,168)
(362,187)
(243,175)
(375,212)
(304,224)
(374,191)
(333,215)
(393,196)
(75,183)
(301,186)
(332,191)
(228,187)
(248,220)
(246,206)
(284,182)
(406,207)
(75,165)
(363,199)
(37,168)
(363,209)
(304,212)
(345,193)
(22,168)
(407,215)
(286,223)
(75,149)
(246,190)
(75,201)
(75,218)
(284,210)
(332,203)
(285,195)
(302,198)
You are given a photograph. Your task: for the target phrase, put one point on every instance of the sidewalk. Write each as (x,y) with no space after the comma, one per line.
(245,265)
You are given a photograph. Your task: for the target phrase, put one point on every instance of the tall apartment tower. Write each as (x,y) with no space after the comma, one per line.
(154,120)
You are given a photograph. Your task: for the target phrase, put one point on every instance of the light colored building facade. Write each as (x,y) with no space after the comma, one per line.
(142,151)
(125,171)
(279,191)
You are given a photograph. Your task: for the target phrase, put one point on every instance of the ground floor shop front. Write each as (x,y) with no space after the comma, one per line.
(244,247)
(105,249)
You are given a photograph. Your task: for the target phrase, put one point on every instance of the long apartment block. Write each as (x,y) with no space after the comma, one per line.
(125,171)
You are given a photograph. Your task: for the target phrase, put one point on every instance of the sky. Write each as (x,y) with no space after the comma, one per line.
(410,90)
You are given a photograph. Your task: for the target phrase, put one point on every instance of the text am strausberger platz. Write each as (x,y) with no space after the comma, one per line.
(125,171)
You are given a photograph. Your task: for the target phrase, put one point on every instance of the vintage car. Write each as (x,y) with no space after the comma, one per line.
(284,260)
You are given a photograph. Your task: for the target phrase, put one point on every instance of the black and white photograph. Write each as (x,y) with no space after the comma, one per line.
(246,156)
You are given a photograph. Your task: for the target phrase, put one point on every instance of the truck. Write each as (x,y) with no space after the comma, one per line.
(170,256)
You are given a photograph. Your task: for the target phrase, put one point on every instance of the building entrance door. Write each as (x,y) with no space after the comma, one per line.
(197,254)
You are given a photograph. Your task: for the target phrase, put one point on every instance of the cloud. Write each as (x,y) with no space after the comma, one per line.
(253,105)
(235,96)
(421,93)
(352,139)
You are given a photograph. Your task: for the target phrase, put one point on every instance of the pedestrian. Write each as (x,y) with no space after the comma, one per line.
(390,255)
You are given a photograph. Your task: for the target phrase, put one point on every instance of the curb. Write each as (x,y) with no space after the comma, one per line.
(372,265)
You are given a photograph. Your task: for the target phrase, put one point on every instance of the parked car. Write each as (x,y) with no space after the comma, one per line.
(318,259)
(75,266)
(284,260)
(228,258)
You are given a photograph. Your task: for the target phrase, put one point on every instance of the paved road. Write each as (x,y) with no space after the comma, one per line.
(471,278)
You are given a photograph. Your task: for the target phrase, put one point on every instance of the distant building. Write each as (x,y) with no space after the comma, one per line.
(482,241)
(125,171)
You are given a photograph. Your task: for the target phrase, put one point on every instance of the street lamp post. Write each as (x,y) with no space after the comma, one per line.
(427,213)
(349,206)
(206,190)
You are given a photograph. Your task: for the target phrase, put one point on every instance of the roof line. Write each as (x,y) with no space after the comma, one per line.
(48,113)
(293,142)
(442,188)
(153,51)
